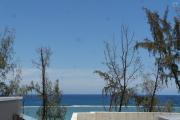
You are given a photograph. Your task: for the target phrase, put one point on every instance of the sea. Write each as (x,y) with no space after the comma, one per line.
(89,103)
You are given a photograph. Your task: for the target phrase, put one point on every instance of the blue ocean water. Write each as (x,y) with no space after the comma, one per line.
(88,103)
(68,100)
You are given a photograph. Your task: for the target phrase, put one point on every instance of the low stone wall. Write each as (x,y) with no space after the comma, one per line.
(119,115)
(9,106)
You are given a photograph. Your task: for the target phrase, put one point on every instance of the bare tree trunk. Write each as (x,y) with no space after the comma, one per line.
(124,62)
(111,100)
(43,85)
(23,104)
(42,65)
(154,91)
(122,98)
(153,95)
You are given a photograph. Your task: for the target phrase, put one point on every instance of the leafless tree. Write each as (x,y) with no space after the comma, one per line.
(123,65)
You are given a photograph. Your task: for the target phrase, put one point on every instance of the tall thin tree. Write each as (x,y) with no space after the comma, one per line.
(51,94)
(42,64)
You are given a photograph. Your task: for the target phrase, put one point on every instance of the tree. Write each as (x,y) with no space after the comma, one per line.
(10,72)
(168,107)
(164,46)
(148,87)
(6,52)
(123,65)
(6,57)
(55,109)
(12,84)
(45,89)
(42,64)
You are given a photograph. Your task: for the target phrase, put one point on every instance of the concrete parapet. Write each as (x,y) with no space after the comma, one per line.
(122,115)
(9,107)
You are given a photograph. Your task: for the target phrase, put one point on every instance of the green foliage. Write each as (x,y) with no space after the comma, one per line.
(143,103)
(55,110)
(11,86)
(10,72)
(50,95)
(148,101)
(168,107)
(165,45)
(6,52)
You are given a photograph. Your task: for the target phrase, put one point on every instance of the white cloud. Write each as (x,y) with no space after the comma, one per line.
(75,81)
(82,81)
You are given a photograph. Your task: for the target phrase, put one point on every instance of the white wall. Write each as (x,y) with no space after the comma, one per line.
(120,115)
(9,106)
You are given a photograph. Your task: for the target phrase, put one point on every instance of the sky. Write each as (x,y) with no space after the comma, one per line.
(75,30)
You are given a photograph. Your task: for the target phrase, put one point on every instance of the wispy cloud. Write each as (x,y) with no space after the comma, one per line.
(71,80)
(78,81)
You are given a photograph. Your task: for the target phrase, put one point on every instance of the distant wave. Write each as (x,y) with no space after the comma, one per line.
(81,106)
(95,106)
(92,106)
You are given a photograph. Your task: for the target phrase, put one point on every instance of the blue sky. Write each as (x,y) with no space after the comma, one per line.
(75,30)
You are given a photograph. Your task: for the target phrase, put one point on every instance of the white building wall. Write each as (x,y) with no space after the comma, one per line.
(9,106)
(124,116)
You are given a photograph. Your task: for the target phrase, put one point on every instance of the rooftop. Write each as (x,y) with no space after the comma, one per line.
(10,98)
